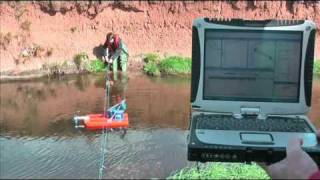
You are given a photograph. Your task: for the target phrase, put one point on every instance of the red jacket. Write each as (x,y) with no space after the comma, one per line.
(113,46)
(316,175)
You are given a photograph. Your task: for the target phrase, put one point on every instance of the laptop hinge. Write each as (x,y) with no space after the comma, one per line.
(250,111)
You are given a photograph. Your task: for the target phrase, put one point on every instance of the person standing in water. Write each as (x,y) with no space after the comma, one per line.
(116,52)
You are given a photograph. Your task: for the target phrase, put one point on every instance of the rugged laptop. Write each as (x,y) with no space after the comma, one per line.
(250,90)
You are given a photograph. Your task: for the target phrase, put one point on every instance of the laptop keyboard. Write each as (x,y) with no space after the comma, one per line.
(251,123)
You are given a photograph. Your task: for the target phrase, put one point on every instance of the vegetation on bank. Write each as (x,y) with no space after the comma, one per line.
(97,65)
(155,66)
(80,63)
(222,171)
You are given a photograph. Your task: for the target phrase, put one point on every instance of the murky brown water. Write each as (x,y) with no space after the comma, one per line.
(38,140)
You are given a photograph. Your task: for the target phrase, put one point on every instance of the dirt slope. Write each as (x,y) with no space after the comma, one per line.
(48,32)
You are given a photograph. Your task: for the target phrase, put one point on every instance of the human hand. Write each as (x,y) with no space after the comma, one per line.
(109,60)
(109,83)
(297,164)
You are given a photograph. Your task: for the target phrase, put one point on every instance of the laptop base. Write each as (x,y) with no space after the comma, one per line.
(203,152)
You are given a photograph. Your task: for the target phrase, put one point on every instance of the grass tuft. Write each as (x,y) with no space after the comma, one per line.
(81,60)
(152,69)
(97,65)
(175,65)
(170,65)
(222,171)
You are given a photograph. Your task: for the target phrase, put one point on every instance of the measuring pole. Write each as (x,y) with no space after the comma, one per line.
(104,134)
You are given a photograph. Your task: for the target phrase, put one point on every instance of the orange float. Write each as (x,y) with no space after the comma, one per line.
(115,117)
(99,121)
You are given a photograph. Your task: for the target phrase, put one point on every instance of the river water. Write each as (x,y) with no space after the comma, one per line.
(38,140)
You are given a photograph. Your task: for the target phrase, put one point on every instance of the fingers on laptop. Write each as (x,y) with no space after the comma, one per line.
(276,170)
(294,145)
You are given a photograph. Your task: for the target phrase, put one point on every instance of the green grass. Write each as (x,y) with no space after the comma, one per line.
(82,62)
(222,171)
(152,69)
(97,65)
(175,65)
(170,65)
(316,66)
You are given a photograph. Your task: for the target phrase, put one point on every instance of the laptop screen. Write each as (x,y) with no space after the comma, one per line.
(252,65)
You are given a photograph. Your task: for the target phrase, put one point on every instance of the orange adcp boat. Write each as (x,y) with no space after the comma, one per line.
(114,118)
(100,121)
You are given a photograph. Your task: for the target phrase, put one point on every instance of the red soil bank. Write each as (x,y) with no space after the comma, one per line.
(62,29)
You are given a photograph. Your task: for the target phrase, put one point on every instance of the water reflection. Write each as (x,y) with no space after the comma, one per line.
(35,120)
(32,105)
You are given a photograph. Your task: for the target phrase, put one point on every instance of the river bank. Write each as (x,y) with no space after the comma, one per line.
(150,64)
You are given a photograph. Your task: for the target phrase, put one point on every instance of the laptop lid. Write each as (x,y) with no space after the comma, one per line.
(240,66)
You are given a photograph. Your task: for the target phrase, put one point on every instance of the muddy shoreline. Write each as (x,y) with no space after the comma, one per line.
(134,67)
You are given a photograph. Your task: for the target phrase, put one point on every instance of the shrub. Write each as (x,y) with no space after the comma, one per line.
(151,68)
(81,60)
(97,65)
(169,65)
(175,65)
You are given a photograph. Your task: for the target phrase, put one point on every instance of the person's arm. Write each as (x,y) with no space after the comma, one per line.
(315,175)
(297,164)
(117,52)
(105,55)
